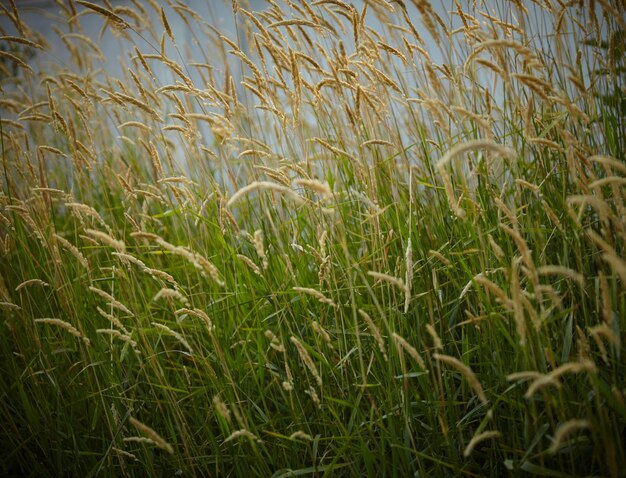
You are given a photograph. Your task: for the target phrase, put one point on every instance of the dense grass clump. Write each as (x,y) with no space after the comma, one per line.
(379,239)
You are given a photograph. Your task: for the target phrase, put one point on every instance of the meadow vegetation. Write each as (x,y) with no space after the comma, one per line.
(347,240)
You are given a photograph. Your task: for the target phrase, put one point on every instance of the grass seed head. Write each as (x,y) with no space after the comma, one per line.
(157,439)
(403,345)
(307,360)
(467,372)
(65,326)
(479,437)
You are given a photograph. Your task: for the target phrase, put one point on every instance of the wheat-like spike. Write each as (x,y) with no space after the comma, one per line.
(300,435)
(209,267)
(606,331)
(104,12)
(541,382)
(144,235)
(610,256)
(111,300)
(114,320)
(157,439)
(260,248)
(199,262)
(174,334)
(166,25)
(120,336)
(128,258)
(29,282)
(524,51)
(337,151)
(313,394)
(603,330)
(527,375)
(526,253)
(494,289)
(497,250)
(439,256)
(608,180)
(265,186)
(307,360)
(322,333)
(564,271)
(221,408)
(142,440)
(566,429)
(53,150)
(247,261)
(243,433)
(275,342)
(395,281)
(402,344)
(467,372)
(479,437)
(22,64)
(376,142)
(197,313)
(136,124)
(49,190)
(275,174)
(449,189)
(375,333)
(583,365)
(162,275)
(294,21)
(23,41)
(84,209)
(107,240)
(9,305)
(167,293)
(610,162)
(315,293)
(124,453)
(73,250)
(66,326)
(316,186)
(475,145)
(435,336)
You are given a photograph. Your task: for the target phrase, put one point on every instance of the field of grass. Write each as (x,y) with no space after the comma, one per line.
(381,239)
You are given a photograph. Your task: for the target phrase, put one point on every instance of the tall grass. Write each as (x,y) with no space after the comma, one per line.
(393,246)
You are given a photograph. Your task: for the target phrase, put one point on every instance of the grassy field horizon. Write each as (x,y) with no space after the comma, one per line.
(374,238)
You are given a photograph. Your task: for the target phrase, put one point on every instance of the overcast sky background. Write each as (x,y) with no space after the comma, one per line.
(44,16)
